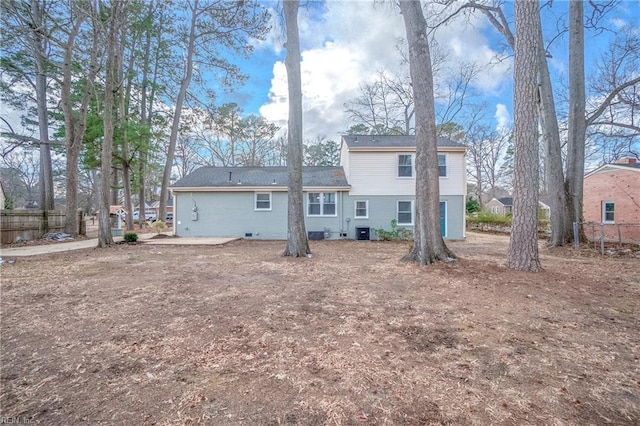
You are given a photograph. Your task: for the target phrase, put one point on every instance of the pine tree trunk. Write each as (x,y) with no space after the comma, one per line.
(76,122)
(104,230)
(38,41)
(297,243)
(523,246)
(428,245)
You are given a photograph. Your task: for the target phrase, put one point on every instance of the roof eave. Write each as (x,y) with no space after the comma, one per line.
(247,188)
(614,166)
(402,148)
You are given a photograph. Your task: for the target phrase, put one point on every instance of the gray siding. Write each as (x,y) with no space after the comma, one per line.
(383,209)
(229,214)
(232,214)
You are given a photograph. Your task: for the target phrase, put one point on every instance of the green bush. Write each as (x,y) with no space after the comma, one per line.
(130,237)
(488,217)
(396,233)
(472,205)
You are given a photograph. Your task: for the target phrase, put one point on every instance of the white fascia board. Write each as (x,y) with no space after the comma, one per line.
(402,149)
(241,188)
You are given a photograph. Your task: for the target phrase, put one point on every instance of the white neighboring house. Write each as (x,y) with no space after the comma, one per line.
(374,184)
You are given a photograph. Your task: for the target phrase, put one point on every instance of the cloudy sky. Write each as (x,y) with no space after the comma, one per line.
(347,42)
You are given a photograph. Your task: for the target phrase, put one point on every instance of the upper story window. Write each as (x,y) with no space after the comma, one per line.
(405,165)
(442,165)
(321,204)
(263,201)
(608,212)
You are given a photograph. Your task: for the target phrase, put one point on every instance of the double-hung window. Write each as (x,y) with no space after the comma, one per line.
(405,165)
(362,209)
(442,165)
(405,212)
(321,204)
(608,212)
(263,201)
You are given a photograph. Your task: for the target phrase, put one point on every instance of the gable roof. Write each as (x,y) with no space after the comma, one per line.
(507,201)
(392,141)
(614,166)
(275,177)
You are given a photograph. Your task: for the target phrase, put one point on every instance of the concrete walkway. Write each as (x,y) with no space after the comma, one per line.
(92,243)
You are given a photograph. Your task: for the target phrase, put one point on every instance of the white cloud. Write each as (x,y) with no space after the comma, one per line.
(348,45)
(503,118)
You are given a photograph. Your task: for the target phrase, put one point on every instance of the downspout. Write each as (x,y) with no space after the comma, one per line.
(341,212)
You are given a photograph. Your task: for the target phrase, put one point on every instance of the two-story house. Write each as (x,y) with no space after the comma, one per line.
(374,184)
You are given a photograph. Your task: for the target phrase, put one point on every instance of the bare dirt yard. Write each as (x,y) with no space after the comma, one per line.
(239,335)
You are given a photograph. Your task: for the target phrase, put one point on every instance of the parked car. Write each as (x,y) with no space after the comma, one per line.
(169,217)
(149,216)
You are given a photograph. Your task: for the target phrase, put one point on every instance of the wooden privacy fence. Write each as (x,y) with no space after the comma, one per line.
(31,224)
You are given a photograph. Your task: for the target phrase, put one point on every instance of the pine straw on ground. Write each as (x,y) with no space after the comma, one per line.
(239,335)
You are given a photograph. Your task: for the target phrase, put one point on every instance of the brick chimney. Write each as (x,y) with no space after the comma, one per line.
(626,160)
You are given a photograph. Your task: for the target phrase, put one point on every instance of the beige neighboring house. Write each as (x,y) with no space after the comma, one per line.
(612,198)
(503,206)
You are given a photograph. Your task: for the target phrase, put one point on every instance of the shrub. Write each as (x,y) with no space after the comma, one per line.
(472,205)
(396,233)
(488,217)
(130,237)
(158,226)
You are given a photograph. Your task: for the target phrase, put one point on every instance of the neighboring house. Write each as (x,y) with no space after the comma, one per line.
(503,206)
(374,184)
(612,197)
(155,207)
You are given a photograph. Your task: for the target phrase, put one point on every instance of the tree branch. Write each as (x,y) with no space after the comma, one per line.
(607,101)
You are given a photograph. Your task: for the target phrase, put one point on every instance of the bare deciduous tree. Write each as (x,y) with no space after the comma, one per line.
(574,180)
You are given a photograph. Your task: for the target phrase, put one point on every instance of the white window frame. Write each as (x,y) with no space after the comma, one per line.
(255,202)
(446,218)
(355,209)
(412,165)
(604,211)
(446,165)
(322,204)
(398,213)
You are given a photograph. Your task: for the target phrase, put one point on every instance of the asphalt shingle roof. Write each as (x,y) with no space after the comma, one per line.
(400,141)
(261,176)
